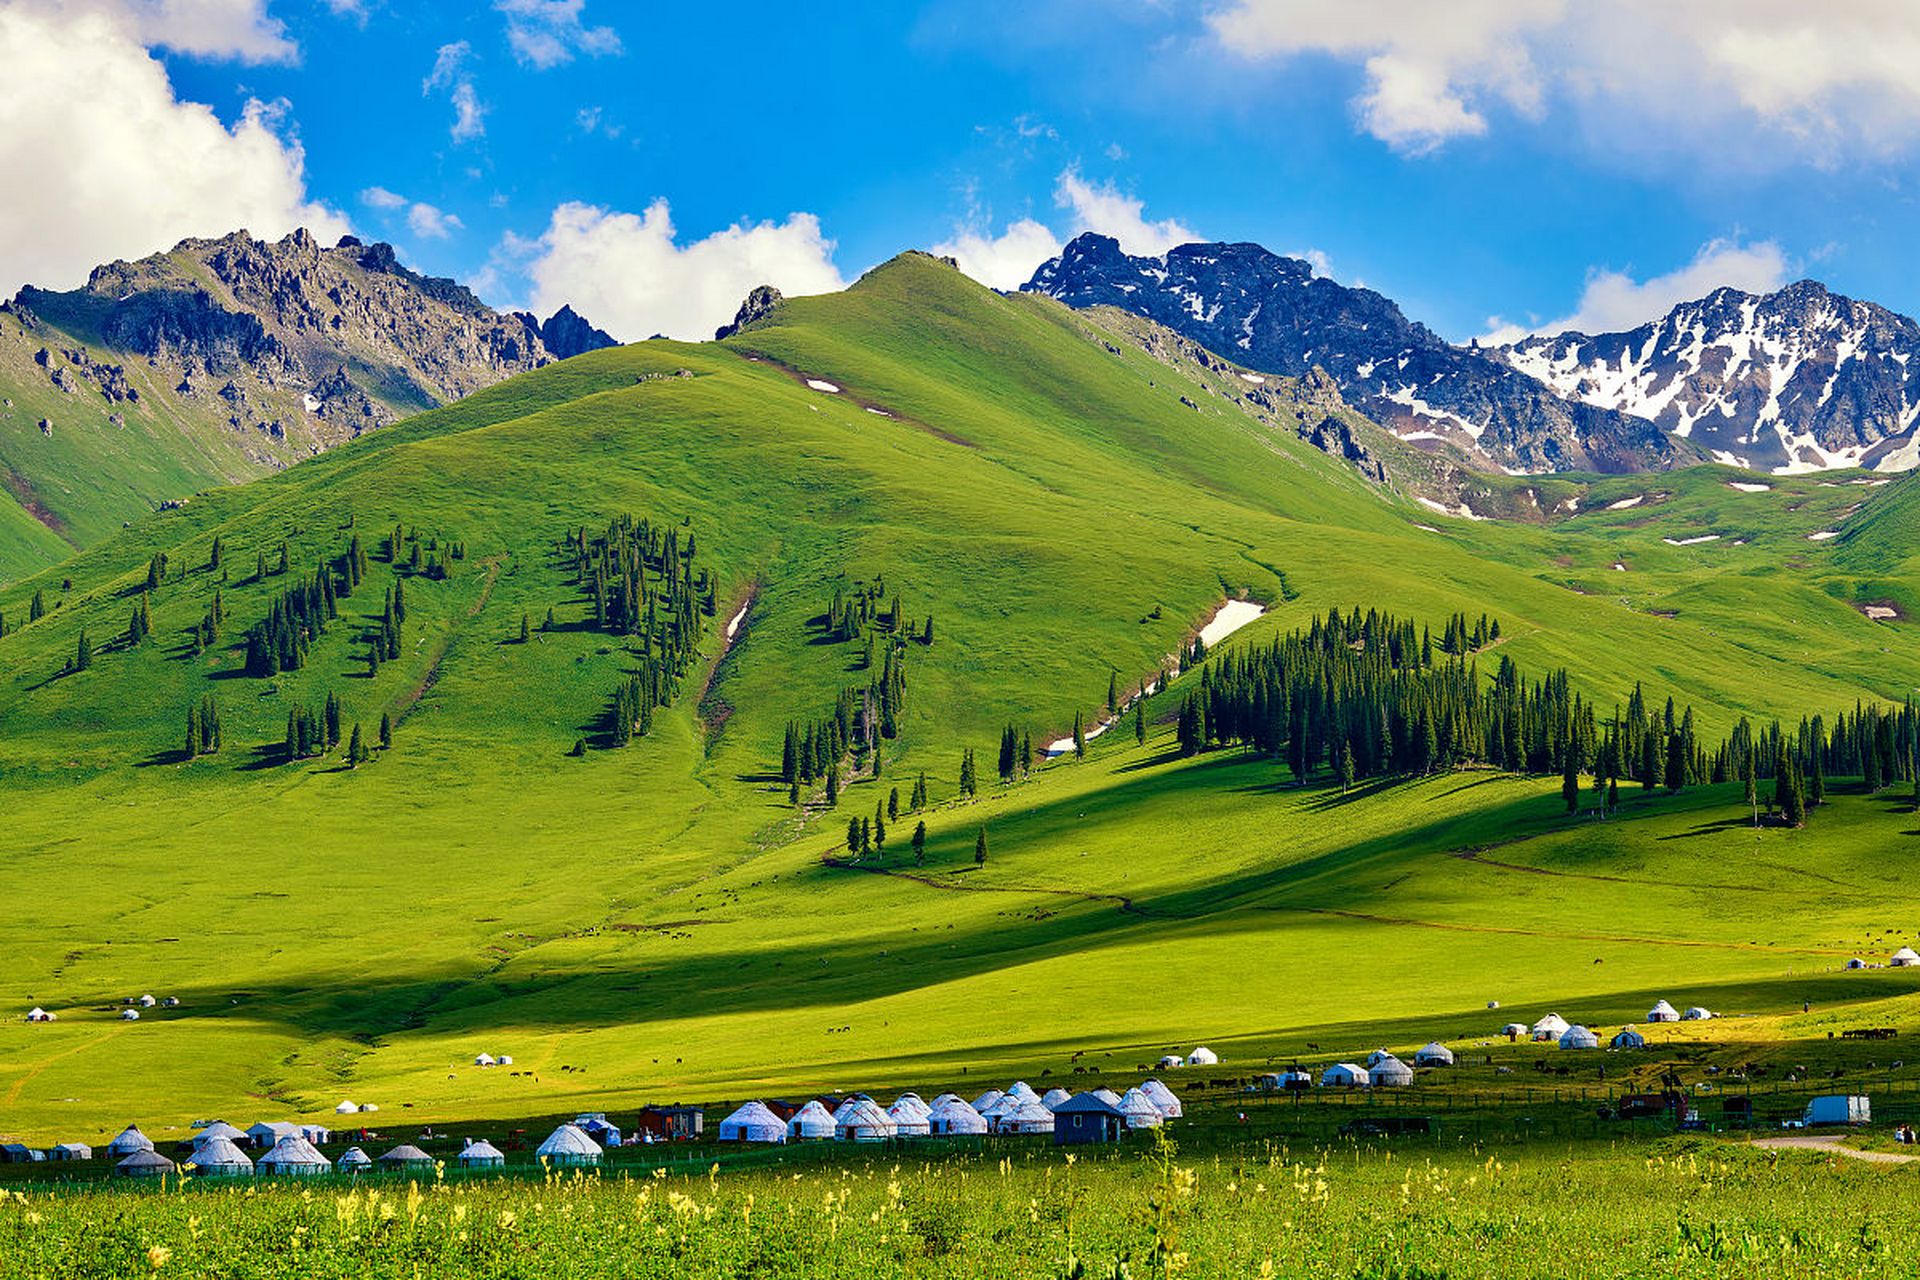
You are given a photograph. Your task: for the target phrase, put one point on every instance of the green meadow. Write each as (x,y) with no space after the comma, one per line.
(659,921)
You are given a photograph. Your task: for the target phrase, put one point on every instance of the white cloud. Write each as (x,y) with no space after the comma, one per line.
(240,29)
(1789,80)
(381,198)
(429,223)
(89,117)
(1106,209)
(631,274)
(1005,261)
(1613,301)
(544,34)
(450,73)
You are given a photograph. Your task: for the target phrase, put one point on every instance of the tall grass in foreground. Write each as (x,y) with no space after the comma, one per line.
(1675,1209)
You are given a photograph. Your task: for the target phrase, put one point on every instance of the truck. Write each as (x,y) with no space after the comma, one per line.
(1837,1108)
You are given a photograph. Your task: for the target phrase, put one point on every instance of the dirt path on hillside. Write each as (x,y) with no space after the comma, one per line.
(411,700)
(1833,1147)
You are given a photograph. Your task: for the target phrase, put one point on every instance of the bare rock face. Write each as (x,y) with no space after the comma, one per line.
(758,306)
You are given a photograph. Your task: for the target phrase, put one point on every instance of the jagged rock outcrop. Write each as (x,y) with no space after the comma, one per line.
(759,304)
(1273,314)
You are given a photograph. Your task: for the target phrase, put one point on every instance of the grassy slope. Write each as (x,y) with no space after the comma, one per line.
(358,933)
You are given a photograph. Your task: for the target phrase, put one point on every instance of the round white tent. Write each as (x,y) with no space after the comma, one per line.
(812,1121)
(1551,1027)
(569,1145)
(1379,1055)
(37,1014)
(1107,1096)
(1004,1105)
(353,1160)
(1904,958)
(129,1015)
(1389,1073)
(1515,1029)
(483,1060)
(1579,1038)
(218,1129)
(1663,1012)
(293,1156)
(752,1122)
(863,1121)
(1022,1090)
(1137,1109)
(1433,1054)
(909,1118)
(146,1163)
(1031,1116)
(1170,1062)
(1203,1057)
(129,1141)
(1697,1013)
(217,1157)
(346,1109)
(914,1101)
(1054,1097)
(1856,963)
(1628,1038)
(481,1154)
(1162,1098)
(987,1099)
(954,1118)
(1344,1075)
(405,1156)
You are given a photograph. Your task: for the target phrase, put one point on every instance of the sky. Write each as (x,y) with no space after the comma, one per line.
(1495,166)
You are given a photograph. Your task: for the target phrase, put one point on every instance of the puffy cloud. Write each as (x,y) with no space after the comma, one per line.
(381,198)
(1106,209)
(450,74)
(633,276)
(544,34)
(96,152)
(240,29)
(1613,301)
(1789,79)
(1005,261)
(429,223)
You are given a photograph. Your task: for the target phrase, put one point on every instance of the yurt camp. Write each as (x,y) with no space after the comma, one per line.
(1389,1073)
(1627,1038)
(353,1160)
(1663,1012)
(478,1153)
(218,1157)
(1577,1037)
(129,1141)
(1551,1027)
(1344,1075)
(294,1157)
(909,1118)
(146,1163)
(1031,1116)
(1162,1099)
(1433,1054)
(405,1158)
(862,1120)
(811,1123)
(569,1145)
(752,1122)
(1905,958)
(954,1117)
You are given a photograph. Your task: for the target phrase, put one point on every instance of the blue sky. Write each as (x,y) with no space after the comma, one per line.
(1494,163)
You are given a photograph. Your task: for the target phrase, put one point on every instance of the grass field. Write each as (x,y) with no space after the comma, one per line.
(657,922)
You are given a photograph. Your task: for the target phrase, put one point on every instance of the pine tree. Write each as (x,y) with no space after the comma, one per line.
(549,624)
(83,652)
(1793,805)
(356,748)
(980,848)
(866,837)
(38,609)
(1140,722)
(1113,693)
(193,732)
(967,782)
(1026,753)
(1079,737)
(879,829)
(833,785)
(919,844)
(1817,790)
(893,805)
(793,793)
(526,629)
(1570,784)
(1009,753)
(853,836)
(386,731)
(919,800)
(1346,767)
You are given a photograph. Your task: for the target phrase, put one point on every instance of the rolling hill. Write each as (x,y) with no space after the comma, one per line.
(1025,505)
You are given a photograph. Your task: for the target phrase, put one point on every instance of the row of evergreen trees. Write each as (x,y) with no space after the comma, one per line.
(203,728)
(863,612)
(644,584)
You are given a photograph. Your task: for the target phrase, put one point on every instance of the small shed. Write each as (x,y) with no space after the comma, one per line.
(1137,1109)
(218,1157)
(406,1158)
(1203,1057)
(1904,958)
(1162,1098)
(1577,1037)
(1627,1038)
(954,1117)
(862,1120)
(671,1123)
(1433,1054)
(1663,1012)
(264,1135)
(752,1122)
(129,1141)
(147,1163)
(1085,1118)
(569,1145)
(1389,1073)
(1344,1075)
(294,1157)
(480,1154)
(318,1134)
(71,1151)
(353,1160)
(812,1122)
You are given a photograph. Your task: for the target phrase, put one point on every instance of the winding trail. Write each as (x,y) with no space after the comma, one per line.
(1832,1147)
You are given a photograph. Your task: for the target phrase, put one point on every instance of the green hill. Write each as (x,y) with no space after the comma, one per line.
(1066,509)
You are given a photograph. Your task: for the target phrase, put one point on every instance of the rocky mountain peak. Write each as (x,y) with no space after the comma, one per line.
(759,304)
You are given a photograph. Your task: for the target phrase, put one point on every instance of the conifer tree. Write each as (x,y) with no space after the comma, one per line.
(1026,753)
(193,732)
(38,609)
(793,793)
(526,629)
(919,844)
(893,805)
(1079,737)
(1570,784)
(967,782)
(833,785)
(1817,785)
(1613,792)
(386,731)
(919,800)
(853,836)
(1346,767)
(1113,693)
(866,837)
(1140,722)
(356,748)
(83,652)
(980,847)
(879,829)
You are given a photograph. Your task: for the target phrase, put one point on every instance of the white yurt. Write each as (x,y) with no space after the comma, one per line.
(129,1141)
(1004,1105)
(70,1151)
(369,1107)
(1389,1073)
(1054,1097)
(147,1002)
(1107,1096)
(143,1164)
(1162,1098)
(1855,963)
(481,1154)
(812,1121)
(913,1100)
(1663,1012)
(129,1015)
(294,1157)
(484,1060)
(1138,1110)
(1380,1055)
(1551,1027)
(987,1099)
(570,1145)
(1031,1116)
(1203,1057)
(1344,1075)
(218,1129)
(1627,1038)
(752,1122)
(1170,1062)
(406,1157)
(504,1060)
(37,1014)
(1579,1038)
(346,1109)
(353,1160)
(1514,1030)
(1296,1078)
(1904,958)
(1696,1013)
(862,1121)
(217,1157)
(1433,1054)
(954,1117)
(1022,1090)
(909,1118)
